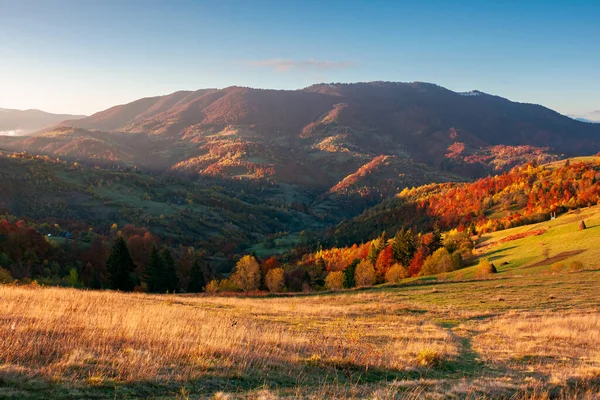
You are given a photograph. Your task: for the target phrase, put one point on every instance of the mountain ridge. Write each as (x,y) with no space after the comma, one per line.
(319,136)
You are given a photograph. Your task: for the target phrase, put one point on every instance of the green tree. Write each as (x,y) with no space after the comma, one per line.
(404,248)
(169,272)
(376,247)
(197,277)
(349,281)
(153,272)
(73,279)
(120,267)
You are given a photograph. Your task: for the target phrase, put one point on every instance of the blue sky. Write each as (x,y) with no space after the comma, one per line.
(83,56)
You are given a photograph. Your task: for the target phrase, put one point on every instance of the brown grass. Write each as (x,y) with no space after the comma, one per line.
(383,343)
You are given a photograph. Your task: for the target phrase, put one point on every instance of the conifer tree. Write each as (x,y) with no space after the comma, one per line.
(153,272)
(403,248)
(197,277)
(169,272)
(349,272)
(120,267)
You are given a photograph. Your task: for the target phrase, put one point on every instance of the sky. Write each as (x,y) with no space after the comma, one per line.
(80,57)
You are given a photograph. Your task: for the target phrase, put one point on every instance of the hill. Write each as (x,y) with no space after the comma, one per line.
(24,122)
(324,138)
(521,196)
(222,218)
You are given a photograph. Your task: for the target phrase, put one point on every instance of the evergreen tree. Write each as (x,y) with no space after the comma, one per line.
(376,247)
(153,272)
(403,248)
(349,272)
(169,272)
(120,267)
(197,277)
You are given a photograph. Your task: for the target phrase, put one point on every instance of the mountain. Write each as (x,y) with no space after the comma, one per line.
(591,117)
(23,122)
(338,141)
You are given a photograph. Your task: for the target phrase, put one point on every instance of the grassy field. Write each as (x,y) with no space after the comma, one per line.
(538,247)
(535,336)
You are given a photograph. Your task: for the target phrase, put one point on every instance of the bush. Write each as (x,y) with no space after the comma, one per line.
(5,276)
(485,267)
(335,280)
(396,273)
(212,287)
(576,266)
(558,267)
(275,280)
(227,285)
(429,358)
(247,274)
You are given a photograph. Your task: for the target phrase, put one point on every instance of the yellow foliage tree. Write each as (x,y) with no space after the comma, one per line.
(247,274)
(396,273)
(335,280)
(275,280)
(365,274)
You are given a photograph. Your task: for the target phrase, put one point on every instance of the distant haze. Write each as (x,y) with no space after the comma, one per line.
(25,122)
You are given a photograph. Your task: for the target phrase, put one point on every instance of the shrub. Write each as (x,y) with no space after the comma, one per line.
(275,280)
(335,280)
(5,276)
(485,267)
(365,274)
(227,285)
(557,267)
(247,274)
(212,287)
(576,266)
(396,273)
(429,358)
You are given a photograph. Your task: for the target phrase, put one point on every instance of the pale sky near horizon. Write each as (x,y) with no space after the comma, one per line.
(71,56)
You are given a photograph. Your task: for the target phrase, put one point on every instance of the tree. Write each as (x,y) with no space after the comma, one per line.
(197,277)
(73,279)
(247,274)
(120,267)
(385,260)
(403,248)
(5,276)
(396,273)
(169,272)
(365,274)
(377,245)
(438,262)
(349,281)
(335,280)
(275,280)
(153,272)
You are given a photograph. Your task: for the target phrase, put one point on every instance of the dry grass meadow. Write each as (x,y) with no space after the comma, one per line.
(515,337)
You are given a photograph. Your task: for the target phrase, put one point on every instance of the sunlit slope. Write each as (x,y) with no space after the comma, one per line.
(537,247)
